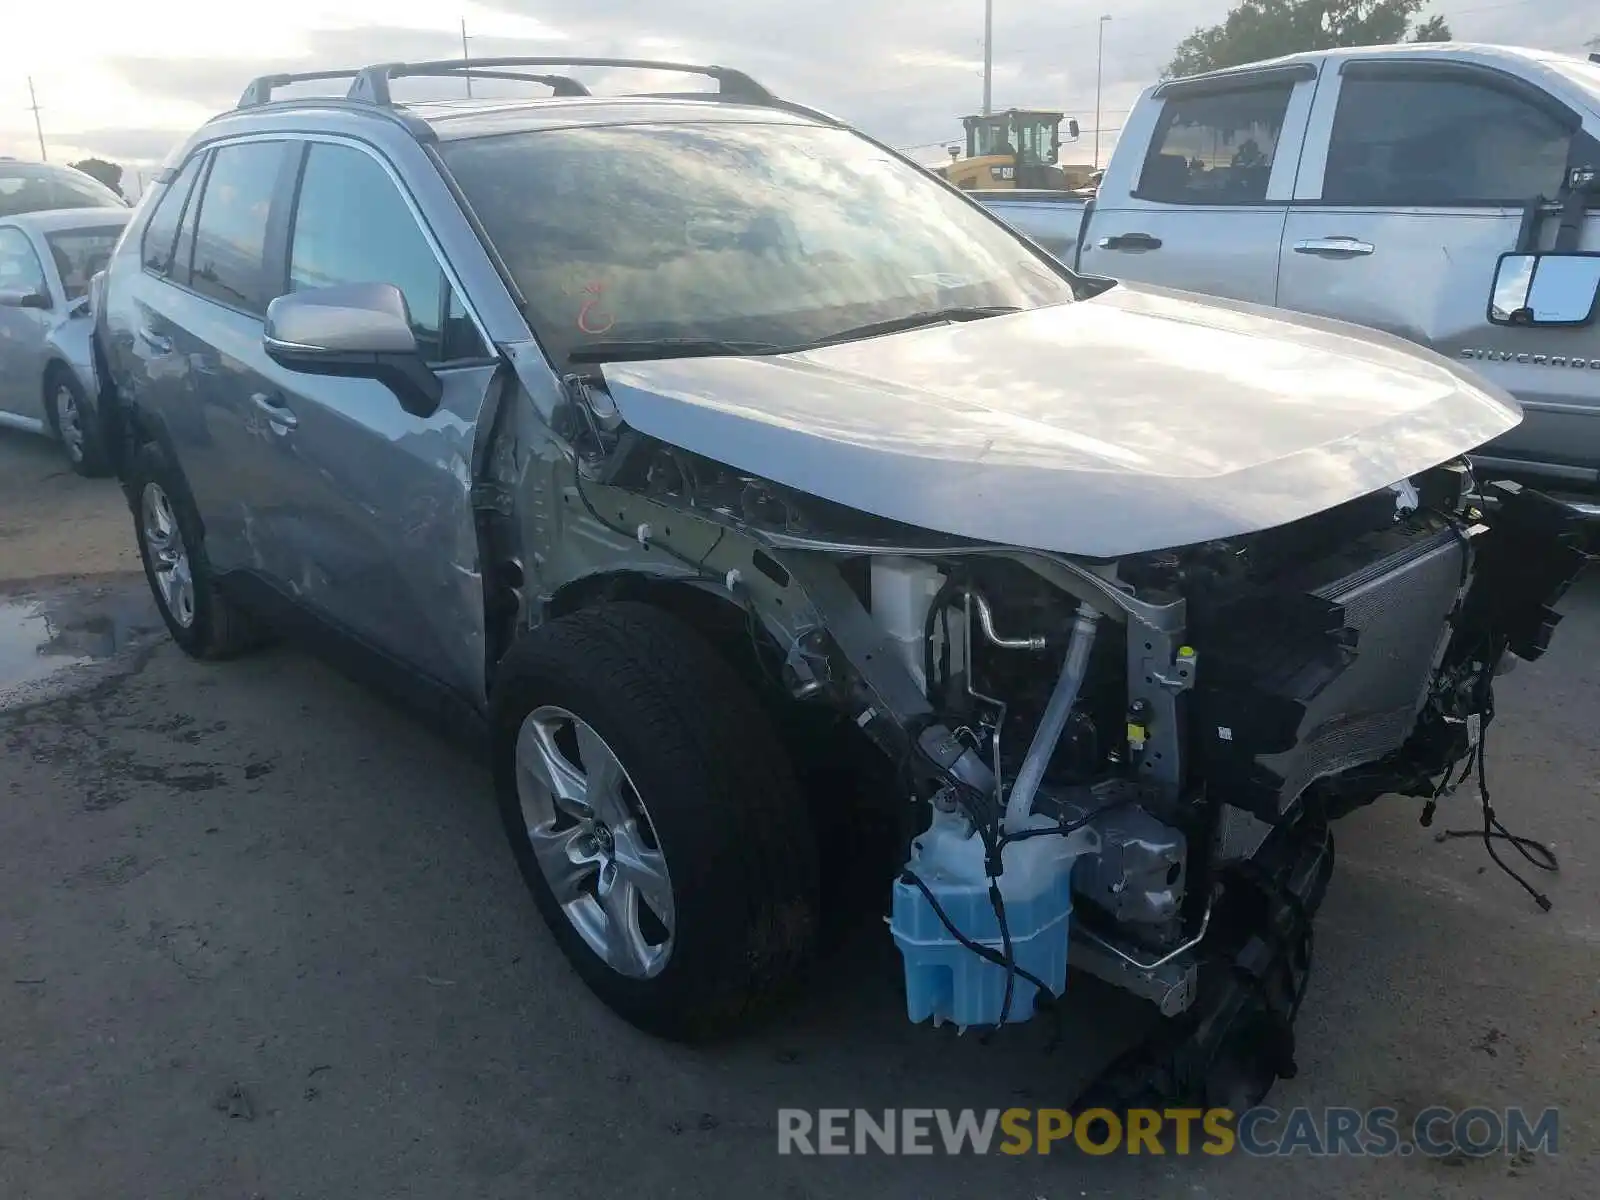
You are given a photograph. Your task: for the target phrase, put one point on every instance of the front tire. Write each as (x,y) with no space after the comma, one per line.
(655,819)
(77,424)
(203,622)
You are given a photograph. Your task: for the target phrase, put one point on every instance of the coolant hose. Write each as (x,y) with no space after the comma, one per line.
(1019,806)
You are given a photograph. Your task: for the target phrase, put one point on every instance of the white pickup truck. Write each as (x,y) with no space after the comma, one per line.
(1437,192)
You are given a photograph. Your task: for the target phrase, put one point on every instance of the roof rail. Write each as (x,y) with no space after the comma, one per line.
(261,88)
(372,83)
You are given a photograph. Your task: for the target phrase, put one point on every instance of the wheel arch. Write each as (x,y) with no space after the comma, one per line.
(725,624)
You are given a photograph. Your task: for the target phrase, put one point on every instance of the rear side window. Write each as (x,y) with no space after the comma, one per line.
(1215,147)
(352,225)
(20,269)
(230,237)
(39,187)
(1441,143)
(162,229)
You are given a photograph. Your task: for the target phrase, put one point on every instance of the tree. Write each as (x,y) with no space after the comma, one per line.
(107,173)
(1258,29)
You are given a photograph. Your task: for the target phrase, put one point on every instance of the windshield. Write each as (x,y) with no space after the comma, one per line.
(781,234)
(79,253)
(36,187)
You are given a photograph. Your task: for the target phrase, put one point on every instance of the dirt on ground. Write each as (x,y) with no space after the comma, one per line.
(260,937)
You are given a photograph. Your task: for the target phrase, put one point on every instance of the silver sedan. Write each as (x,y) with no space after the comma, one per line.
(47,376)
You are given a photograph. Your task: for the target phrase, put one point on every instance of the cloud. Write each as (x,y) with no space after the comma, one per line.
(905,70)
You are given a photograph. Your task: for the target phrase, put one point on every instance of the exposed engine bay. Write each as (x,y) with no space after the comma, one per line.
(1129,766)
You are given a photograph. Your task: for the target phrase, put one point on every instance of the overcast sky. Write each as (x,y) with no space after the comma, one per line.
(127,79)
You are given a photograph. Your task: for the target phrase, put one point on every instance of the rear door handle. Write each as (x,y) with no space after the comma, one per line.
(276,411)
(1130,241)
(157,342)
(1334,247)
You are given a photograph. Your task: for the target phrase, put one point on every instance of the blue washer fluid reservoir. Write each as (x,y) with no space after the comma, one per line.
(944,979)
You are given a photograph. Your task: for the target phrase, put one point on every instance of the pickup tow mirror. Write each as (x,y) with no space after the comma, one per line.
(1545,290)
(23,298)
(358,330)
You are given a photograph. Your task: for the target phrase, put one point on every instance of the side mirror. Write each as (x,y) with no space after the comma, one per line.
(1072,127)
(23,298)
(358,330)
(1537,290)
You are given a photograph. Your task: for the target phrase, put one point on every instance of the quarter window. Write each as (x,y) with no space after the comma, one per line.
(231,232)
(1441,143)
(162,228)
(1216,147)
(352,225)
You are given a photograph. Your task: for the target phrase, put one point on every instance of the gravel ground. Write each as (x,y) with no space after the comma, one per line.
(260,937)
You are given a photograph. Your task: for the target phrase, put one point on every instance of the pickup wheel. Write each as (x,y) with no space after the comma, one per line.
(655,818)
(203,622)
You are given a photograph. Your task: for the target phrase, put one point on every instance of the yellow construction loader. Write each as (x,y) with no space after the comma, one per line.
(1016,148)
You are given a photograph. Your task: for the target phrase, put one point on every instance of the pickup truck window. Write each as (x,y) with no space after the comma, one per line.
(776,233)
(1215,147)
(1441,143)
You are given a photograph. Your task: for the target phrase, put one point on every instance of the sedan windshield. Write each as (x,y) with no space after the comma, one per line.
(776,234)
(79,253)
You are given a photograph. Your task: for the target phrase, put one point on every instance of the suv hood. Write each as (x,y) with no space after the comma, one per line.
(1139,420)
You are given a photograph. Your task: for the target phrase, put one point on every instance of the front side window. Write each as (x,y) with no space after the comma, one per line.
(20,270)
(1444,142)
(79,253)
(1215,147)
(351,225)
(231,231)
(781,234)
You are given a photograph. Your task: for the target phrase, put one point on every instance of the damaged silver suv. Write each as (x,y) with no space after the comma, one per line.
(765,497)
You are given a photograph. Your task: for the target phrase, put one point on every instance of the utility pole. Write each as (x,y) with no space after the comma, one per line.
(1099,72)
(465,57)
(38,128)
(988,55)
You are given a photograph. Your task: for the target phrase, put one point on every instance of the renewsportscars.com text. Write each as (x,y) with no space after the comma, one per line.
(1259,1132)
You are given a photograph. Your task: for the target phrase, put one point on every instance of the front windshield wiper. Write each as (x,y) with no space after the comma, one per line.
(642,349)
(934,316)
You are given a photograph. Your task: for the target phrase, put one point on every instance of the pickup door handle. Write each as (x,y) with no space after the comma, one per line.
(276,411)
(1334,247)
(1130,241)
(157,342)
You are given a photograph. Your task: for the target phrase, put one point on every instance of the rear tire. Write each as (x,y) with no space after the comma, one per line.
(204,623)
(707,789)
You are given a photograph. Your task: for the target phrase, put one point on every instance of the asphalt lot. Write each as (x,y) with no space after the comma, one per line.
(260,937)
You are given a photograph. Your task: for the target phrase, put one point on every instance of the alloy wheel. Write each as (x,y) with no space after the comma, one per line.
(594,842)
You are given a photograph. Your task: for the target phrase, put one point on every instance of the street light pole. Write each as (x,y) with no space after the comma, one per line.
(988,55)
(37,127)
(1099,73)
(465,57)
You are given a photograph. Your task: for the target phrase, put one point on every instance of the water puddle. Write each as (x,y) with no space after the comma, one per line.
(47,632)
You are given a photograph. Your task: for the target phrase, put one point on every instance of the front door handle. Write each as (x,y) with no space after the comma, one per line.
(1334,247)
(1130,241)
(157,342)
(277,412)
